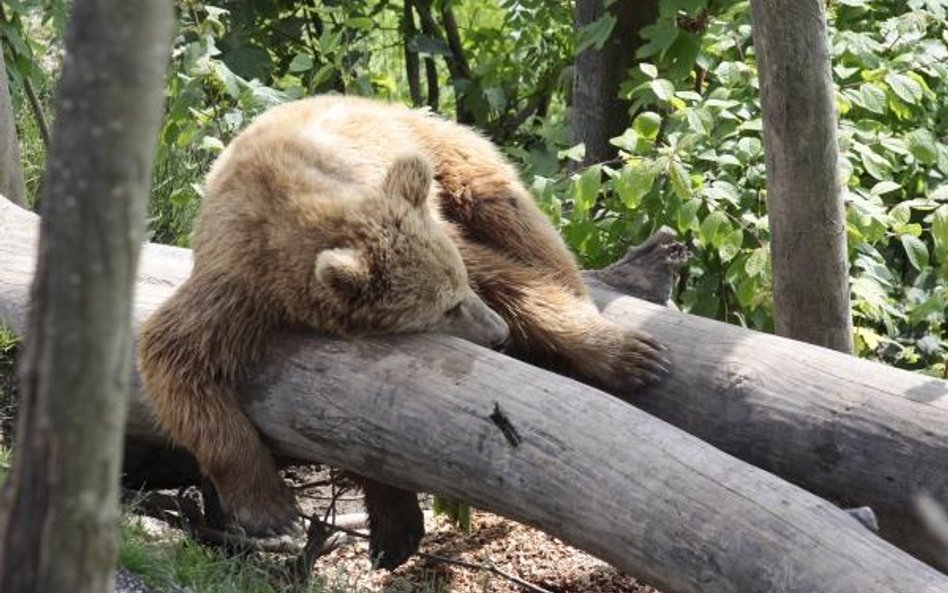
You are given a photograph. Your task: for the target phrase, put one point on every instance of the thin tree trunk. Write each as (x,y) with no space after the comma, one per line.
(810,269)
(457,64)
(412,70)
(11,167)
(59,531)
(431,81)
(597,112)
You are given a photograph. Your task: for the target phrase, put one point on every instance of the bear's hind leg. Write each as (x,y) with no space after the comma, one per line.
(396,523)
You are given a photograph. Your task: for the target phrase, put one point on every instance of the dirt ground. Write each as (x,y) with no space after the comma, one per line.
(457,562)
(516,550)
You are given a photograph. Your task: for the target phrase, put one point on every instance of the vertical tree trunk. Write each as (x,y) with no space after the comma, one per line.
(597,112)
(59,532)
(431,81)
(11,167)
(412,70)
(811,279)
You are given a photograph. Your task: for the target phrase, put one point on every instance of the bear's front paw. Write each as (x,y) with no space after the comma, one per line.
(637,361)
(263,511)
(395,536)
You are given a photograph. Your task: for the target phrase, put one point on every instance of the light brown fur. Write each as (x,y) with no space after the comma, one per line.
(314,217)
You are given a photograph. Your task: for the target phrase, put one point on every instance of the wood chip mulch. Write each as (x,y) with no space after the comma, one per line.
(528,554)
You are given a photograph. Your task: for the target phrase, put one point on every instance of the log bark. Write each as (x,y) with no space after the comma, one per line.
(804,197)
(60,511)
(416,412)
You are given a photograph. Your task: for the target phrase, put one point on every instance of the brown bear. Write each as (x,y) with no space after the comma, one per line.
(351,216)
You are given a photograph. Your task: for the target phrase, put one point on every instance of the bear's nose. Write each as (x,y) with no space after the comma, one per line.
(501,344)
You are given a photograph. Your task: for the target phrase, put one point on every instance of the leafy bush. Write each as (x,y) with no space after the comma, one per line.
(692,159)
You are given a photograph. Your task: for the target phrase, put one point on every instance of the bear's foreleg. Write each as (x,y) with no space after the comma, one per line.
(190,385)
(552,324)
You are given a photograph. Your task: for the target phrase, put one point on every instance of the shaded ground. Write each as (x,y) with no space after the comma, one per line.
(515,549)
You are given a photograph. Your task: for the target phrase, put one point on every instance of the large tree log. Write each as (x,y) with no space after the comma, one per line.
(426,412)
(853,431)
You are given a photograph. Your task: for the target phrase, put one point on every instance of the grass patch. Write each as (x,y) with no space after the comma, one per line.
(177,564)
(9,345)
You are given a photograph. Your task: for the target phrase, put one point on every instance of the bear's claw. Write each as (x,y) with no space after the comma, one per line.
(263,513)
(637,361)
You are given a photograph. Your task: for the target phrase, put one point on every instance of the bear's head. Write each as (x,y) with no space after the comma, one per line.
(400,272)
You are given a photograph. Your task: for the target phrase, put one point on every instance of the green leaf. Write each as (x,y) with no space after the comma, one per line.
(663,89)
(905,88)
(301,63)
(873,98)
(875,165)
(757,262)
(940,227)
(211,144)
(627,141)
(688,215)
(635,181)
(574,153)
(360,22)
(647,124)
(916,251)
(901,213)
(750,147)
(730,73)
(681,183)
(730,244)
(884,187)
(648,69)
(940,193)
(870,339)
(660,36)
(923,146)
(869,291)
(587,190)
(595,33)
(709,227)
(700,121)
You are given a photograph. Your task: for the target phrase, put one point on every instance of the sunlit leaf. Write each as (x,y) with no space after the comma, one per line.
(916,251)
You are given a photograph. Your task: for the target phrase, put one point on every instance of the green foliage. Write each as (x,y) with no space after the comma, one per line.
(6,457)
(9,346)
(172,564)
(457,512)
(692,159)
(32,44)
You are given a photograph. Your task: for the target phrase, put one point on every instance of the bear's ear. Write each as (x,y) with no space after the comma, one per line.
(409,178)
(342,269)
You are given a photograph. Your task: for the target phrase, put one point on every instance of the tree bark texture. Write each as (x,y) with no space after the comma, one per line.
(11,166)
(804,200)
(412,67)
(597,112)
(60,503)
(415,411)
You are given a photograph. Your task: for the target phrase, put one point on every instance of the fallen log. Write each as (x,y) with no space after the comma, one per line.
(853,431)
(424,412)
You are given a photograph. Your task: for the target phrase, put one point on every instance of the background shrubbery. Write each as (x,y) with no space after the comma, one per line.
(691,157)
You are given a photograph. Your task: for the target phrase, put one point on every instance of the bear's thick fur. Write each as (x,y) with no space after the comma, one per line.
(351,216)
